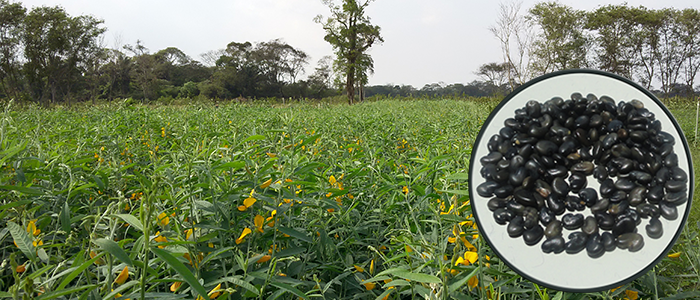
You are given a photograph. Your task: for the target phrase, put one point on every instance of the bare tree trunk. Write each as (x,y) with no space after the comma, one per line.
(350,83)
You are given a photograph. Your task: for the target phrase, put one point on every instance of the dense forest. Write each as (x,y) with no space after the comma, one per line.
(48,56)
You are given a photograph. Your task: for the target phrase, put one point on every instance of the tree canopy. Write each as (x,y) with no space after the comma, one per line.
(351,34)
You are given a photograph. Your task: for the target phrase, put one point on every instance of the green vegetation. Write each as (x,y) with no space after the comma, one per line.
(262,201)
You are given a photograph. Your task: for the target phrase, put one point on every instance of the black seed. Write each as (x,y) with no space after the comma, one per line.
(590,225)
(486,189)
(668,211)
(622,226)
(594,246)
(605,221)
(679,174)
(555,244)
(530,217)
(546,216)
(502,216)
(496,203)
(556,205)
(654,228)
(676,198)
(671,160)
(589,196)
(546,147)
(533,235)
(637,196)
(607,188)
(515,228)
(525,197)
(631,241)
(576,243)
(624,184)
(585,167)
(572,221)
(675,186)
(608,241)
(655,194)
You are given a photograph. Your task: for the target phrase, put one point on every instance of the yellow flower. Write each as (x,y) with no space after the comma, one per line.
(674,255)
(99,261)
(242,208)
(631,295)
(259,220)
(263,259)
(245,232)
(270,220)
(371,267)
(473,282)
(408,249)
(332,180)
(31,228)
(215,292)
(271,155)
(358,268)
(20,269)
(369,285)
(37,243)
(470,257)
(123,276)
(248,202)
(160,239)
(266,184)
(188,233)
(175,286)
(163,219)
(404,189)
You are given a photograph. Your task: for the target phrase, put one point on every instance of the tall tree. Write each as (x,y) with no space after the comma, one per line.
(11,19)
(351,34)
(56,47)
(617,36)
(515,34)
(561,43)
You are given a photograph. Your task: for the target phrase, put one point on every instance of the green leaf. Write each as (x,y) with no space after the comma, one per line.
(231,165)
(244,284)
(419,277)
(290,251)
(384,295)
(23,240)
(122,288)
(113,248)
(458,176)
(181,269)
(133,221)
(290,289)
(76,272)
(23,189)
(65,217)
(452,287)
(15,204)
(296,234)
(214,254)
(254,138)
(41,271)
(56,294)
(458,192)
(9,153)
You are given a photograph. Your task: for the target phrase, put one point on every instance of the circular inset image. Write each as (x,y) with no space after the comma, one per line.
(580,180)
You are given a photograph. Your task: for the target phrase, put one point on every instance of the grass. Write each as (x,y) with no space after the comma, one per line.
(261,201)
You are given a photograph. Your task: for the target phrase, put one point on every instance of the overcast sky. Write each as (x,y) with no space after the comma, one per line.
(425,41)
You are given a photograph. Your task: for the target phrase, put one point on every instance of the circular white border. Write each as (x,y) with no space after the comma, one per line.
(577,272)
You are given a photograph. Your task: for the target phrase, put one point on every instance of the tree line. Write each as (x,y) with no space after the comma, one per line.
(658,48)
(48,56)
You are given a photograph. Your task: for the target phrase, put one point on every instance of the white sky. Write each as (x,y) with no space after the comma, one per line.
(425,41)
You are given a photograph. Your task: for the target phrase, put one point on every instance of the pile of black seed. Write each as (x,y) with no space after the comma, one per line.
(538,164)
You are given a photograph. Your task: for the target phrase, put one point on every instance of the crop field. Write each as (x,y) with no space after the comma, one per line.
(253,201)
